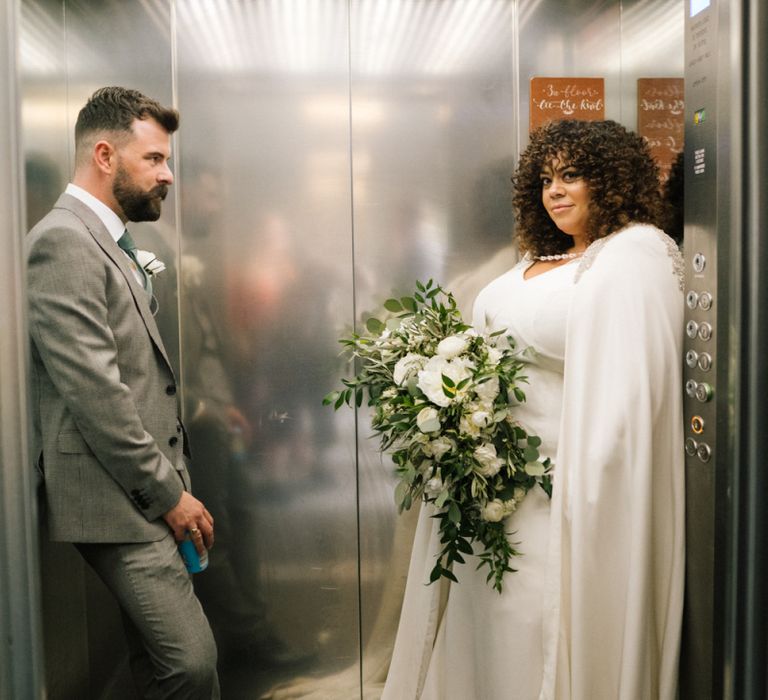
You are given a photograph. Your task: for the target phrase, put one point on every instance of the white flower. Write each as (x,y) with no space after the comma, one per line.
(389,393)
(486,457)
(420,439)
(488,390)
(519,494)
(482,418)
(467,427)
(431,378)
(452,346)
(440,446)
(510,506)
(493,511)
(149,262)
(494,355)
(428,420)
(434,486)
(406,366)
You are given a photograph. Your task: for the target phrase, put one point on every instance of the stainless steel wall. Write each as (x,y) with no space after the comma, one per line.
(20,647)
(330,153)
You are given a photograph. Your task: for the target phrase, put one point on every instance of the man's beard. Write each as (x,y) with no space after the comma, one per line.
(136,204)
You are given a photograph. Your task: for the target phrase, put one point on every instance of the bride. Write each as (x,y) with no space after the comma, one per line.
(594,609)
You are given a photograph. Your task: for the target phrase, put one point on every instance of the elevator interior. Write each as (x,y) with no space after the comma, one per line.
(330,153)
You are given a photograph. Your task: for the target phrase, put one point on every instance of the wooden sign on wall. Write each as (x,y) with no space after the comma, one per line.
(553,99)
(661,118)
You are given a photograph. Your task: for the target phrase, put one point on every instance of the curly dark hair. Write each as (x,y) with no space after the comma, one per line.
(114,109)
(621,175)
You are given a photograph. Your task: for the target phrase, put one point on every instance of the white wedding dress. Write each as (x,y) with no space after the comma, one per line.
(594,610)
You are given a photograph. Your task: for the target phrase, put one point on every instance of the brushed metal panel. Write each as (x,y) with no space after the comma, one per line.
(433,124)
(21,660)
(266,287)
(652,33)
(580,38)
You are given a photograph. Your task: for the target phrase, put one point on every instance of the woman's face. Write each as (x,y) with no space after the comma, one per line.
(566,197)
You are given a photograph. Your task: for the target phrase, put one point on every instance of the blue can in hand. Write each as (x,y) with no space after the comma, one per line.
(194,562)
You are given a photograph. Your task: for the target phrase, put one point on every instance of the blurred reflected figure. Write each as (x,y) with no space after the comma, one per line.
(221,435)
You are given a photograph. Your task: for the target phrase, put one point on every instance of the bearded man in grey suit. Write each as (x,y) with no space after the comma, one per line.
(110,443)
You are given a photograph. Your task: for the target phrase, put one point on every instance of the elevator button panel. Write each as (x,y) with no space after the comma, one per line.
(700,357)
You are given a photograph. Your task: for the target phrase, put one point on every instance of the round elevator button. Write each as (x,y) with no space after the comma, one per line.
(699,262)
(692,329)
(704,452)
(704,392)
(705,301)
(697,425)
(691,358)
(705,362)
(692,298)
(690,387)
(705,331)
(691,446)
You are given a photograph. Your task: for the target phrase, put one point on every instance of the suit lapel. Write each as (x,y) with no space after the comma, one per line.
(100,234)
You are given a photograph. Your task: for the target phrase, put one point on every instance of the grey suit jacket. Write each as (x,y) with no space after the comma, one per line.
(107,434)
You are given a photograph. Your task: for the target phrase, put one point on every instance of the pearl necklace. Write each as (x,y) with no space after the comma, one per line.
(560,256)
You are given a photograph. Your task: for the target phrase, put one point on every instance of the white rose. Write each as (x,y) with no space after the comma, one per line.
(451,346)
(441,446)
(519,494)
(494,355)
(493,511)
(481,419)
(486,457)
(431,378)
(428,420)
(467,427)
(406,366)
(488,390)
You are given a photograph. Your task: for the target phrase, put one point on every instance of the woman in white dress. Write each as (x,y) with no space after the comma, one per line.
(594,610)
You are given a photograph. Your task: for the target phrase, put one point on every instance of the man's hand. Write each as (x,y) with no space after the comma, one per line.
(190,515)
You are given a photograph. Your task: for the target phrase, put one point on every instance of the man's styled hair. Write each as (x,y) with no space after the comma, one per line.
(114,109)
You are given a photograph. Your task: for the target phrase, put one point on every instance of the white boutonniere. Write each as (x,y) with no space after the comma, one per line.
(152,266)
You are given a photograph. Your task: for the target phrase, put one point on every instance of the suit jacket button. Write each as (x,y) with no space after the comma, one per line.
(172,441)
(170,390)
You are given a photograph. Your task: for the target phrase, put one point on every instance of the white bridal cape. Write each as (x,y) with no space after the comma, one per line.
(594,610)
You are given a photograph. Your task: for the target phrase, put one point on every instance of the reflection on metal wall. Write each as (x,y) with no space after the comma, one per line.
(618,41)
(266,282)
(20,652)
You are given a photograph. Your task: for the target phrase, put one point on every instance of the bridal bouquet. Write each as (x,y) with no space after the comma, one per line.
(443,401)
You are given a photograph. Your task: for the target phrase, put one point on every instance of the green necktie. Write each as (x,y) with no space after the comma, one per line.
(126,243)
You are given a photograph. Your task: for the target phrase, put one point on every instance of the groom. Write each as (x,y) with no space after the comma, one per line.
(109,443)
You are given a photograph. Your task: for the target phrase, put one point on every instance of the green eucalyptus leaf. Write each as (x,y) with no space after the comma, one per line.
(393,305)
(408,303)
(534,440)
(374,325)
(534,469)
(530,454)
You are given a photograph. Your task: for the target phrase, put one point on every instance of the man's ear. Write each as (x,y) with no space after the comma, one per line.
(105,156)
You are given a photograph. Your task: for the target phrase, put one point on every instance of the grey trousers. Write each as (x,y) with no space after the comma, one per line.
(172,650)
